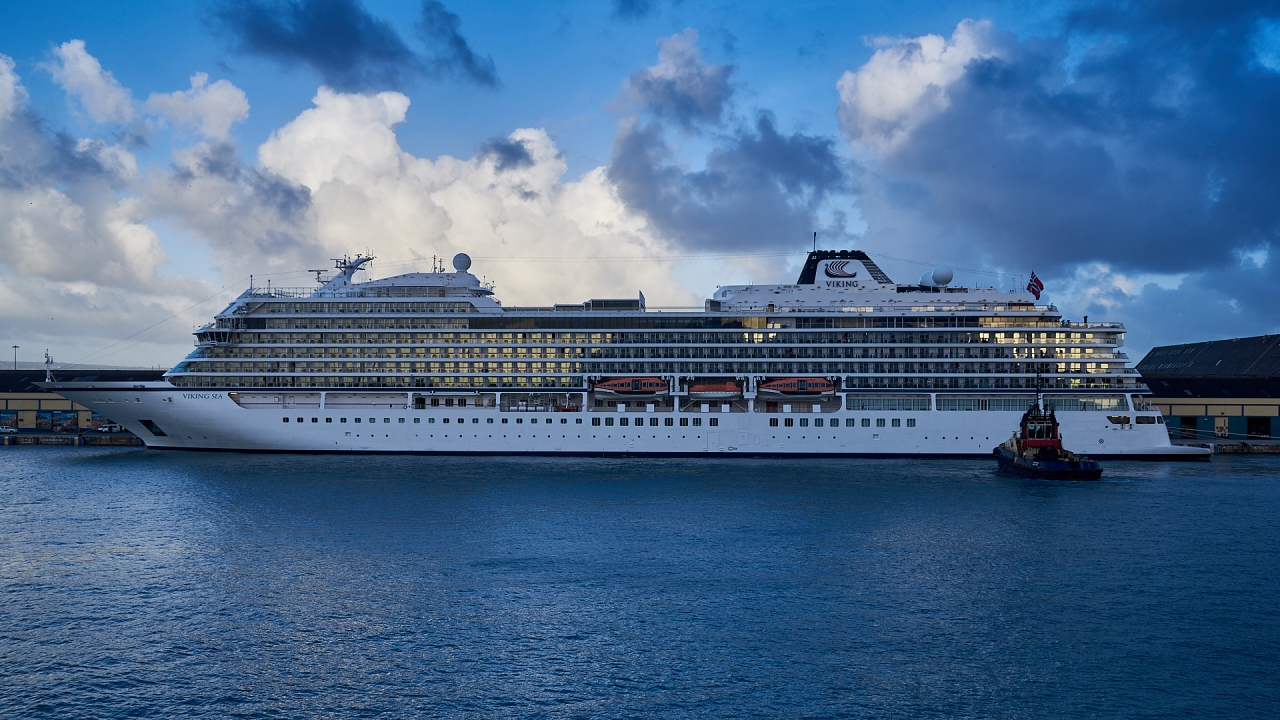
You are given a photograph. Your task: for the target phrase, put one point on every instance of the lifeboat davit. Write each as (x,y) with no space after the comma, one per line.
(727,390)
(797,386)
(632,386)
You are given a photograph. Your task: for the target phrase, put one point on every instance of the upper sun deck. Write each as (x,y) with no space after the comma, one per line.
(846,281)
(850,281)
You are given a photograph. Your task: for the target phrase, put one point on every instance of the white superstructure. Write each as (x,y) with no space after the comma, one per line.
(844,362)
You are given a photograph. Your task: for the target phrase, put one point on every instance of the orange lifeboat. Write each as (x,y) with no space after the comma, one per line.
(726,390)
(797,386)
(632,386)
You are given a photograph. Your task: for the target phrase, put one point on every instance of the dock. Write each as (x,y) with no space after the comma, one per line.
(118,440)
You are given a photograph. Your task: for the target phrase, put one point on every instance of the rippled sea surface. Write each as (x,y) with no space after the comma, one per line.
(144,583)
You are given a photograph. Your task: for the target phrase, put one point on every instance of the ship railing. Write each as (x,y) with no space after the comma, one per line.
(415,292)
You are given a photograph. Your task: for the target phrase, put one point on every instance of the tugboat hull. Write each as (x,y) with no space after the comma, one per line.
(1047,469)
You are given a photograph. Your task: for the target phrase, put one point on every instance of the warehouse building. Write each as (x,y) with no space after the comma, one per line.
(1219,390)
(23,405)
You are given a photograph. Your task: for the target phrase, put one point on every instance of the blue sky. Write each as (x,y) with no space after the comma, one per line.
(1127,153)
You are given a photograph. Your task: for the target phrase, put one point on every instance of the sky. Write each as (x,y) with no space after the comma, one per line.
(156,155)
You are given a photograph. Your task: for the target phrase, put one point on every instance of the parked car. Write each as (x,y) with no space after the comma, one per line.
(6,430)
(110,428)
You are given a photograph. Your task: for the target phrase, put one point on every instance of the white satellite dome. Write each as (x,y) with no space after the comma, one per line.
(941,275)
(462,262)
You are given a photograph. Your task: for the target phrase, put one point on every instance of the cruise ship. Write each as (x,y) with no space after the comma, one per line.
(842,363)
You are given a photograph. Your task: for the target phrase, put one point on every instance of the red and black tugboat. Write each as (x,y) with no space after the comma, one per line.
(1036,450)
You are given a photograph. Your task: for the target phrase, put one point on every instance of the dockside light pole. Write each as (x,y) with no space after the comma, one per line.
(15,357)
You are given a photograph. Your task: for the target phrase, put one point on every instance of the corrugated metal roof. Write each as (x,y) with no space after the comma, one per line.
(1251,357)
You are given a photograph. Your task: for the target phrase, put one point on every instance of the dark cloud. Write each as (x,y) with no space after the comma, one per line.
(241,211)
(1154,149)
(35,155)
(761,188)
(350,48)
(507,154)
(448,52)
(682,87)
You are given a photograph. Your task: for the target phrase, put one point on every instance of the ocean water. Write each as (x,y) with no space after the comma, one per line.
(138,583)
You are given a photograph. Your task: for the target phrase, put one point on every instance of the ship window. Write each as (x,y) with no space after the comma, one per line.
(897,422)
(653,422)
(1159,419)
(358,420)
(668,422)
(342,420)
(789,422)
(577,421)
(804,422)
(533,421)
(461,420)
(448,402)
(879,422)
(625,421)
(817,422)
(504,421)
(299,419)
(850,422)
(435,402)
(315,420)
(462,402)
(401,419)
(714,422)
(446,420)
(773,422)
(430,420)
(386,420)
(328,420)
(911,422)
(595,421)
(684,422)
(417,420)
(286,419)
(697,422)
(866,422)
(608,422)
(373,420)
(475,421)
(519,421)
(1146,420)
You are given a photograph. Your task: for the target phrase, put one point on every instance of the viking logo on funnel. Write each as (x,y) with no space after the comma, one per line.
(836,269)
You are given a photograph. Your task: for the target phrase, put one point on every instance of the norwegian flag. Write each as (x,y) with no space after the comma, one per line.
(1035,286)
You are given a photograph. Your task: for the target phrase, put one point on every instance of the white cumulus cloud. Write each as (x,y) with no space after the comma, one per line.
(368,192)
(82,77)
(12,94)
(905,83)
(213,108)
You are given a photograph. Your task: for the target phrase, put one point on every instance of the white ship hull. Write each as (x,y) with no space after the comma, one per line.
(211,420)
